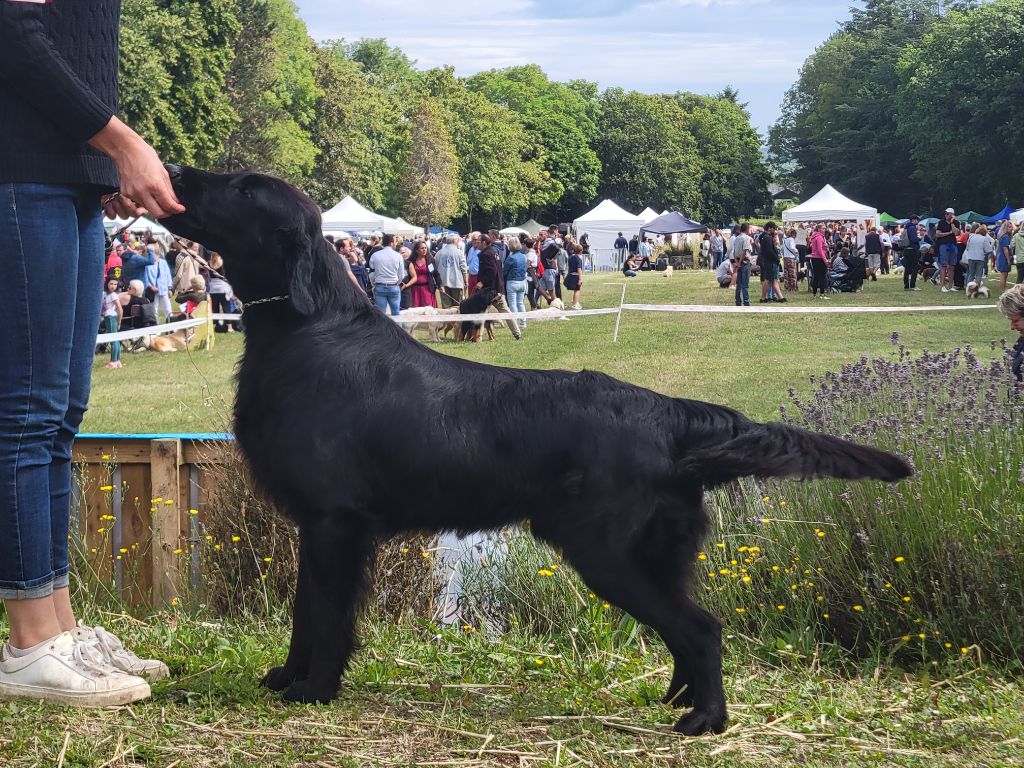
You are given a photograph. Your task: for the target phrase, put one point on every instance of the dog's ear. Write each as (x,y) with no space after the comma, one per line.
(300,260)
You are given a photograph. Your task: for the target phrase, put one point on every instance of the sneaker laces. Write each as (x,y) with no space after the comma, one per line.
(111,645)
(86,655)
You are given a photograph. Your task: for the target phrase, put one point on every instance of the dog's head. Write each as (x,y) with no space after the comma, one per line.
(267,231)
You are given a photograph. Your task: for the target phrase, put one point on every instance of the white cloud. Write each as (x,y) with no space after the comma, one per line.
(755,46)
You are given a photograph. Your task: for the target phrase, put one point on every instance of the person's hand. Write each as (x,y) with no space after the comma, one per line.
(145,185)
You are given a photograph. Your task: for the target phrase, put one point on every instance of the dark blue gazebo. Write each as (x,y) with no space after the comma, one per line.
(672,223)
(1003,215)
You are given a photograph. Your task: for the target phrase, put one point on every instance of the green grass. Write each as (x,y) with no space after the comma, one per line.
(748,362)
(419,695)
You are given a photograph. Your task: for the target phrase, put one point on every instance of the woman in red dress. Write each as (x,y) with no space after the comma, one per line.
(422,277)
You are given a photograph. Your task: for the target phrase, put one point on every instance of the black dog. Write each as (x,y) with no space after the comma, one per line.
(322,415)
(476,304)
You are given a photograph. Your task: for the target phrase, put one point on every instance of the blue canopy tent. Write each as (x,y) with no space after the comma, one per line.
(673,223)
(1003,215)
(442,232)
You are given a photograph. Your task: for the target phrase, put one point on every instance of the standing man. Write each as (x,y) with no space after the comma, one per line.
(873,252)
(886,237)
(742,250)
(347,252)
(645,252)
(492,276)
(620,247)
(473,260)
(159,281)
(453,270)
(716,249)
(64,153)
(769,262)
(910,241)
(388,272)
(947,231)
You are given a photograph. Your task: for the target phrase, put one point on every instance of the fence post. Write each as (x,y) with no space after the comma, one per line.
(618,317)
(165,466)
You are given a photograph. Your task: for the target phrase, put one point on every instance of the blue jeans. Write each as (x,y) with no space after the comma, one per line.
(110,322)
(51,249)
(629,272)
(948,256)
(515,291)
(388,295)
(975,271)
(743,286)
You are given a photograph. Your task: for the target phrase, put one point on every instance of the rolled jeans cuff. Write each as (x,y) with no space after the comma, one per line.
(35,591)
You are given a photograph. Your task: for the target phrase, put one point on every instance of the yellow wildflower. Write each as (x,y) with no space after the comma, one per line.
(858,608)
(267,559)
(106,487)
(899,559)
(236,538)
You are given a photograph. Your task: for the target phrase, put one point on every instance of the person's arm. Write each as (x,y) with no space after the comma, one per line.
(412,277)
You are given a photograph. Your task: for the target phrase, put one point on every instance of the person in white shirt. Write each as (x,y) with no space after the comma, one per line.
(886,250)
(790,260)
(388,270)
(979,247)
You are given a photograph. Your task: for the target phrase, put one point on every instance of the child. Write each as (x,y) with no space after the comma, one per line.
(111,319)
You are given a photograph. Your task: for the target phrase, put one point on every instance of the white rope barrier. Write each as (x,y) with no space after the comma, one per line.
(540,314)
(153,330)
(783,310)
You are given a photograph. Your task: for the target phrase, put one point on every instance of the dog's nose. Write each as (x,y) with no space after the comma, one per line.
(174,171)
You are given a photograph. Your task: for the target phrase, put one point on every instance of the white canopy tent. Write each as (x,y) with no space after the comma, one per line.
(648,214)
(602,225)
(350,216)
(830,205)
(513,231)
(142,225)
(1017,217)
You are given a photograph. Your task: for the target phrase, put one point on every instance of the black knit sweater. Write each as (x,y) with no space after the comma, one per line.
(58,88)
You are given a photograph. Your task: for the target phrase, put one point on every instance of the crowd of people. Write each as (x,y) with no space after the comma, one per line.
(406,274)
(836,257)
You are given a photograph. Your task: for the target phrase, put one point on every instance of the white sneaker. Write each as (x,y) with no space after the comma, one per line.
(67,672)
(113,652)
(945,289)
(577,306)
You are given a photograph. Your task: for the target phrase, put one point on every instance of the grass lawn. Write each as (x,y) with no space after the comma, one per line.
(748,362)
(428,696)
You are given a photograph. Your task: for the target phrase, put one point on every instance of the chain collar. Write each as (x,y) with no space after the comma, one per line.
(248,304)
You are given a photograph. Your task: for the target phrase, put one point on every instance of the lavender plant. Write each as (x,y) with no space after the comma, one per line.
(927,569)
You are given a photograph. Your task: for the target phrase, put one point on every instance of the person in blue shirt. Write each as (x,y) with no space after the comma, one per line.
(135,261)
(159,281)
(473,260)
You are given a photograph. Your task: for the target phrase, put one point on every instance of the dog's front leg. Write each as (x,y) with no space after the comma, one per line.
(340,553)
(296,666)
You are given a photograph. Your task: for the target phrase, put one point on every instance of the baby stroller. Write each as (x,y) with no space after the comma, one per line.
(847,275)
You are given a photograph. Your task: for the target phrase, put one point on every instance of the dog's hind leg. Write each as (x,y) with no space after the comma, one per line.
(647,579)
(341,552)
(296,666)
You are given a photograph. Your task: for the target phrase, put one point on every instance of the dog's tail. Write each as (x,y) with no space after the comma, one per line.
(781,450)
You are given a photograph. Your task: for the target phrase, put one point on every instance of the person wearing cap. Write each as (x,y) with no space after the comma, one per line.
(947,231)
(911,254)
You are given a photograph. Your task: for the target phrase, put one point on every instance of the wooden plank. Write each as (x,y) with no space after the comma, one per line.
(168,542)
(199,452)
(136,535)
(127,451)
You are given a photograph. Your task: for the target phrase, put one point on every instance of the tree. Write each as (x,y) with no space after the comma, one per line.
(734,178)
(359,132)
(648,156)
(561,119)
(272,88)
(501,164)
(839,120)
(429,187)
(967,147)
(175,56)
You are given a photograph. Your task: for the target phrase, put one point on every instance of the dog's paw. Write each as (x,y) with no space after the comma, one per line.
(307,692)
(701,722)
(682,698)
(279,678)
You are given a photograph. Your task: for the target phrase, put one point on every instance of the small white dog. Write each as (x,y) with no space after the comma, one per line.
(898,271)
(668,271)
(975,291)
(557,304)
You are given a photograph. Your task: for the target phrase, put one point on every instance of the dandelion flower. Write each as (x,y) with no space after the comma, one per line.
(405,549)
(766,499)
(175,601)
(106,487)
(741,610)
(178,551)
(824,615)
(100,530)
(963,650)
(765,521)
(899,559)
(920,635)
(538,662)
(193,511)
(544,572)
(821,534)
(123,550)
(746,579)
(702,556)
(720,544)
(781,607)
(605,606)
(782,503)
(858,608)
(948,645)
(105,456)
(236,538)
(905,638)
(906,598)
(267,559)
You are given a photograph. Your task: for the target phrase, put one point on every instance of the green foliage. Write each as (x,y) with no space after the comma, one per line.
(647,153)
(960,105)
(562,119)
(839,121)
(429,187)
(733,178)
(501,163)
(272,88)
(359,132)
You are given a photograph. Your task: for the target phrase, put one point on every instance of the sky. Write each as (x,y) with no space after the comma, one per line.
(655,46)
